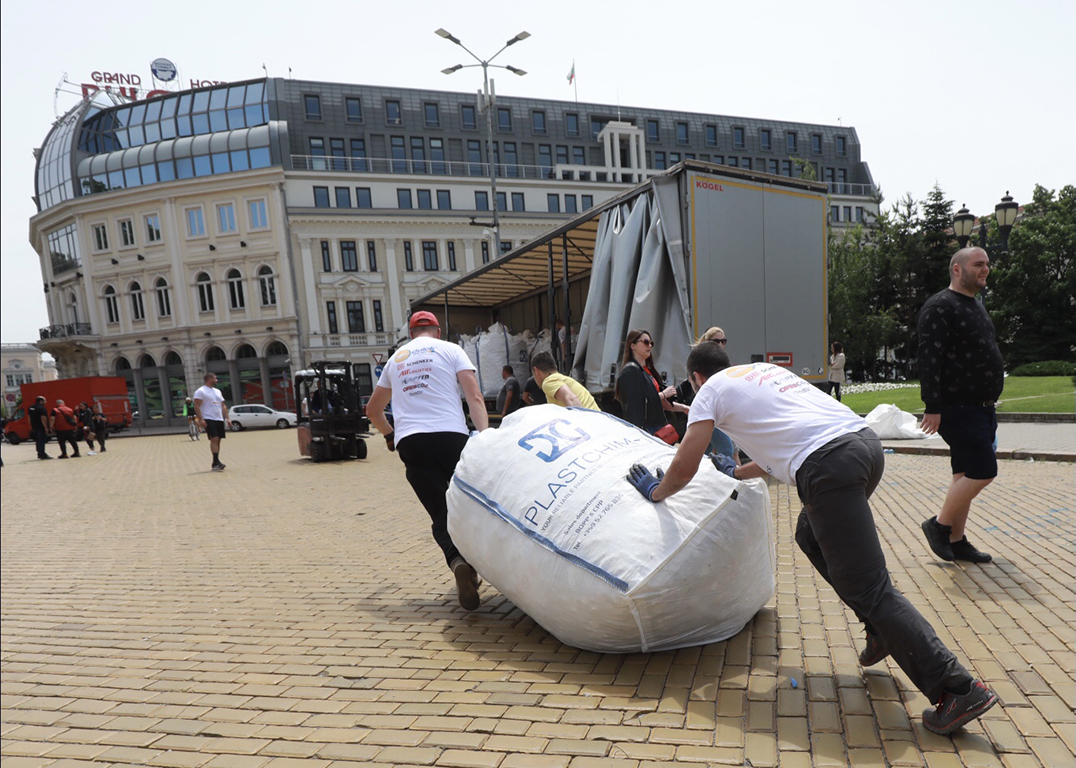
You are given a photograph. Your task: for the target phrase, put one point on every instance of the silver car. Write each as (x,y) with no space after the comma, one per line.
(253,416)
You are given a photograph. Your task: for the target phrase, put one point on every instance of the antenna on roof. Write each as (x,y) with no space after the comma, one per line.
(266,71)
(289,73)
(56,95)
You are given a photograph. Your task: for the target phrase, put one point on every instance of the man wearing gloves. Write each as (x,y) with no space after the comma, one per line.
(802,437)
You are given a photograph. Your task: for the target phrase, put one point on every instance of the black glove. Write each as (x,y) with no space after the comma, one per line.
(390,441)
(644,482)
(724,464)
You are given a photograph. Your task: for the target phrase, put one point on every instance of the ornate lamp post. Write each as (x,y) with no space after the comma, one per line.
(1005,212)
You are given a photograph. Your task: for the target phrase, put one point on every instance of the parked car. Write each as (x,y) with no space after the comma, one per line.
(251,416)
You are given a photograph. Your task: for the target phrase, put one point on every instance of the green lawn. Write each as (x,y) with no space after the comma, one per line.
(1023,394)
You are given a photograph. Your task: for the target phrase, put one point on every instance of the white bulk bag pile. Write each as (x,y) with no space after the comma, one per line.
(891,423)
(492,349)
(543,511)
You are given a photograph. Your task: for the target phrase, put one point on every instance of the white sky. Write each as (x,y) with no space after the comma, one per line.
(977,95)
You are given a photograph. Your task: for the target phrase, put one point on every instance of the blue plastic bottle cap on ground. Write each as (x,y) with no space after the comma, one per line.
(794,683)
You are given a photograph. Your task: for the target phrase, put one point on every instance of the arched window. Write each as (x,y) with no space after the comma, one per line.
(72,306)
(214,354)
(164,298)
(147,361)
(205,292)
(276,348)
(267,283)
(112,307)
(122,363)
(138,308)
(236,299)
(173,358)
(245,351)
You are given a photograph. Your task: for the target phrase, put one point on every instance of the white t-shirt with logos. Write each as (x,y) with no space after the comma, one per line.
(773,415)
(425,391)
(211,401)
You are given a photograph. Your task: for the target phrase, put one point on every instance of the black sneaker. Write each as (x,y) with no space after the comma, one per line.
(954,711)
(46,456)
(466,584)
(217,467)
(938,538)
(873,652)
(965,550)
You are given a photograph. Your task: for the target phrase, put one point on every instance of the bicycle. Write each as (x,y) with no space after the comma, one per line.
(192,428)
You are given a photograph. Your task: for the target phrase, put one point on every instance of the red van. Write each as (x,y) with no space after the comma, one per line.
(107,393)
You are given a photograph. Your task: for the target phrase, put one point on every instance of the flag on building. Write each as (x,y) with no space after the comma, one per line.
(571,75)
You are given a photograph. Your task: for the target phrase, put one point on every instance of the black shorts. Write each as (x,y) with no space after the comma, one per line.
(215,428)
(970,431)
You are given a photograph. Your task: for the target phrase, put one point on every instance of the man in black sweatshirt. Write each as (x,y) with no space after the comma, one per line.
(961,376)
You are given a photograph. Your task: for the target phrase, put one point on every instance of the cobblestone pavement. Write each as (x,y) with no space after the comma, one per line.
(284,614)
(1016,440)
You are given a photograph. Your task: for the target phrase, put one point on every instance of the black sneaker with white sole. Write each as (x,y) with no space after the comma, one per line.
(217,467)
(938,538)
(965,550)
(953,710)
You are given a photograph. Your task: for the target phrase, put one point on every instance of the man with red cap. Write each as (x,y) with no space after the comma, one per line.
(422,380)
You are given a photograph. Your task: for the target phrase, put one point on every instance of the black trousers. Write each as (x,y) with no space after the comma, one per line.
(67,436)
(836,531)
(40,438)
(430,459)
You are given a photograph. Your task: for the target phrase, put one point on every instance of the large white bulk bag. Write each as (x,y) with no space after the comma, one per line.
(543,510)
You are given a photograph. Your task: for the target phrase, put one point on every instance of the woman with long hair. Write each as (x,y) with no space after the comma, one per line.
(836,369)
(638,386)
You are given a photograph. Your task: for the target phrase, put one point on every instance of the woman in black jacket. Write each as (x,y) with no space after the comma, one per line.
(638,385)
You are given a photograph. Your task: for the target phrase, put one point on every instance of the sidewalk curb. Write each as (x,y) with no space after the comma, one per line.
(1018,455)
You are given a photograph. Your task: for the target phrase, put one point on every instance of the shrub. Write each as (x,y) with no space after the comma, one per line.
(1045,368)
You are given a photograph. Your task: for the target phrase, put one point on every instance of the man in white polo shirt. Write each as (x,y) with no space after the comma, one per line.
(423,381)
(805,438)
(211,413)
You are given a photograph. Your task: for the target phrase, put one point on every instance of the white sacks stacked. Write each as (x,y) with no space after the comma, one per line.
(543,510)
(492,349)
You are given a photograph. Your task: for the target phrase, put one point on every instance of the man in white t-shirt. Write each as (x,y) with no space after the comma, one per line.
(211,414)
(801,436)
(429,431)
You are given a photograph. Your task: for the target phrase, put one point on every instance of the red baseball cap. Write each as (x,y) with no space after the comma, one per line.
(423,318)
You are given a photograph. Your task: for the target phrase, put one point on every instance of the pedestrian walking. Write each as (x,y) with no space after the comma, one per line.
(836,369)
(212,417)
(64,424)
(100,429)
(429,430)
(38,414)
(85,426)
(961,376)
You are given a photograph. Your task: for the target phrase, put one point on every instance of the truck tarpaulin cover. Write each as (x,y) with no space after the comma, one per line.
(542,509)
(638,280)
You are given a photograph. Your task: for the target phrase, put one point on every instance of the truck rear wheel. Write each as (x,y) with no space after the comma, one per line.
(13,438)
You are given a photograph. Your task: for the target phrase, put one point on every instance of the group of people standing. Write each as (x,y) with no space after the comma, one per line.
(70,426)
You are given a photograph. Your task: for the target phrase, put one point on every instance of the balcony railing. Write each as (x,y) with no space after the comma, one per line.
(64,331)
(854,190)
(460,168)
(357,340)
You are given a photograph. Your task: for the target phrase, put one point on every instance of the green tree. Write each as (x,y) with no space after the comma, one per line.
(1032,294)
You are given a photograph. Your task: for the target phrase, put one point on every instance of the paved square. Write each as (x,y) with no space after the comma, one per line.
(283,613)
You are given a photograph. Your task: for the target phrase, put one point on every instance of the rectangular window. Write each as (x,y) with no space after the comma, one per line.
(326,257)
(429,256)
(653,131)
(711,135)
(432,115)
(444,200)
(437,155)
(259,218)
(517,202)
(349,256)
(312,102)
(571,124)
(816,143)
(138,308)
(681,133)
(596,125)
(379,319)
(859,214)
(343,197)
(545,160)
(371,256)
(468,117)
(321,197)
(226,218)
(474,158)
(418,155)
(403,198)
(358,155)
(786,167)
(506,247)
(164,299)
(570,204)
(772,167)
(112,307)
(765,139)
(195,222)
(746,163)
(353,106)
(841,145)
(409,257)
(847,210)
(502,201)
(425,200)
(511,159)
(127,233)
(451,255)
(552,203)
(504,119)
(674,158)
(100,237)
(834,213)
(588,202)
(659,161)
(738,139)
(330,311)
(399,154)
(485,251)
(336,150)
(733,162)
(791,142)
(481,201)
(538,122)
(356,323)
(393,115)
(363,198)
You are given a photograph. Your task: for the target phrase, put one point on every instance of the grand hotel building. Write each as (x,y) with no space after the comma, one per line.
(252,227)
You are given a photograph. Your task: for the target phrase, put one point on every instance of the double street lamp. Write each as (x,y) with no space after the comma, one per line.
(486,101)
(1005,212)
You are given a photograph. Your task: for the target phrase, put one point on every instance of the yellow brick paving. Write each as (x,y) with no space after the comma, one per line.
(286,614)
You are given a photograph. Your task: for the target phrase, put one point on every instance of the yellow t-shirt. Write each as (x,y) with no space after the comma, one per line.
(554,381)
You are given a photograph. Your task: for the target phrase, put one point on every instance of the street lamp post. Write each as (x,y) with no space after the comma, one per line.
(1005,212)
(488,99)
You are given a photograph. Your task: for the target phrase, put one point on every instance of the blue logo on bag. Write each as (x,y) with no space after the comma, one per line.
(559,434)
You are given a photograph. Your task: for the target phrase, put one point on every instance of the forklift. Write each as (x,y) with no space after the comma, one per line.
(331,425)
